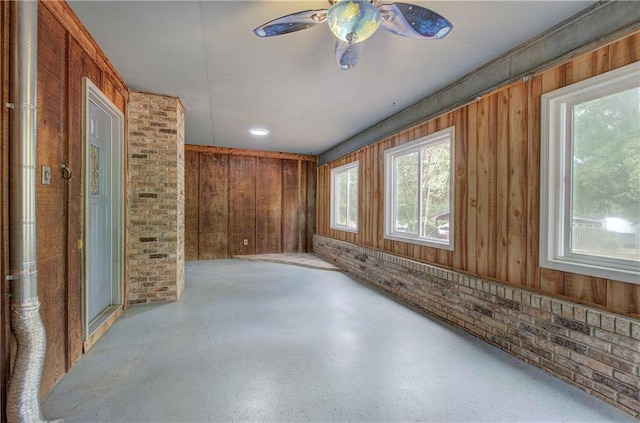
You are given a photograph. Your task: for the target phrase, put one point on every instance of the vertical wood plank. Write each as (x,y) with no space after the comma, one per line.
(322,226)
(192,202)
(369,199)
(503,170)
(320,204)
(533,181)
(302,207)
(551,281)
(269,201)
(461,186)
(290,215)
(385,244)
(518,168)
(585,288)
(108,89)
(360,236)
(587,66)
(486,205)
(52,199)
(491,158)
(472,184)
(623,297)
(311,204)
(365,196)
(553,79)
(624,51)
(242,205)
(214,239)
(377,189)
(326,194)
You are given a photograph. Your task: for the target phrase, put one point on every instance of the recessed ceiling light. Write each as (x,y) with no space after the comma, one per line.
(259,131)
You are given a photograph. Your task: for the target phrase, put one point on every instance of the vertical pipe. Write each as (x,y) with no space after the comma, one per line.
(23,396)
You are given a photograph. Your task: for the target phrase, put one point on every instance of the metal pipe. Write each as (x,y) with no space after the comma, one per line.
(23,396)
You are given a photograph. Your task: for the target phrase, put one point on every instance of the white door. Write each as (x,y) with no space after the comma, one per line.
(103,218)
(99,218)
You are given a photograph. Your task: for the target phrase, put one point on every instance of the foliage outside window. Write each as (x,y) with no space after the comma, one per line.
(590,177)
(344,197)
(419,192)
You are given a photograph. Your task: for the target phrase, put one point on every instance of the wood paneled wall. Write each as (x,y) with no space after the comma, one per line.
(497,178)
(66,53)
(232,195)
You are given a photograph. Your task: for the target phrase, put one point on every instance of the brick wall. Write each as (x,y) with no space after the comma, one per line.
(155,230)
(597,351)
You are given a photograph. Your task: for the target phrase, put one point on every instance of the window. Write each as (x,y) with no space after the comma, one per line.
(590,177)
(418,191)
(344,197)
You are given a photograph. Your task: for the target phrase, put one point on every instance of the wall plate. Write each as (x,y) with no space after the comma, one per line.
(46,175)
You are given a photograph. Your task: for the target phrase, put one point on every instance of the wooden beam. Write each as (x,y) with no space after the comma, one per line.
(247,152)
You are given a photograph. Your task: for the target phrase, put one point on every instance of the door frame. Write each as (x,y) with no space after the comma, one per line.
(91,329)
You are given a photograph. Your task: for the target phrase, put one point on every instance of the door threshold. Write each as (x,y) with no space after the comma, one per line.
(101,324)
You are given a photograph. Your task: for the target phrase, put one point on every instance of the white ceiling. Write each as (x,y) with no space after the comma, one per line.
(229,80)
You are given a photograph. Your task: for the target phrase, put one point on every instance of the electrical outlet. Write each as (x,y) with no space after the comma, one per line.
(245,242)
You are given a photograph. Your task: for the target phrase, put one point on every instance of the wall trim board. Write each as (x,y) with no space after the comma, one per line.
(102,329)
(248,152)
(592,349)
(593,26)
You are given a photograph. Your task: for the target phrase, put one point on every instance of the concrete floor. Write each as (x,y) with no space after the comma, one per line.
(256,341)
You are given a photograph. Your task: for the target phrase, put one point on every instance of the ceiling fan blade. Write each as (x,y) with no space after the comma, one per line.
(292,23)
(347,55)
(409,20)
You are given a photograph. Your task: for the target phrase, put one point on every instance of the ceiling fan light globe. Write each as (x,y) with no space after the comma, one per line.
(353,21)
(443,32)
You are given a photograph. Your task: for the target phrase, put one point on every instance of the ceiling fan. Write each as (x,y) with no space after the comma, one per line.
(353,21)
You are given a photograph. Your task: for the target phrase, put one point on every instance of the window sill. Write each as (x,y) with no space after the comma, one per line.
(427,242)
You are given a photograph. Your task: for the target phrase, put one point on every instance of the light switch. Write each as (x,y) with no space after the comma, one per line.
(46,175)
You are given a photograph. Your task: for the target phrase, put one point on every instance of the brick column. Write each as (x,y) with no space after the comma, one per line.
(155,229)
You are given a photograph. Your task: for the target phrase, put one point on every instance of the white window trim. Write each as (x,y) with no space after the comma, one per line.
(334,172)
(555,184)
(389,154)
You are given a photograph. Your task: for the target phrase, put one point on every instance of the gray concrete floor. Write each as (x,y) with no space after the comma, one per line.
(257,341)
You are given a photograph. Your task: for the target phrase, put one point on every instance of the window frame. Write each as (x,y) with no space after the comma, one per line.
(556,173)
(445,135)
(333,203)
